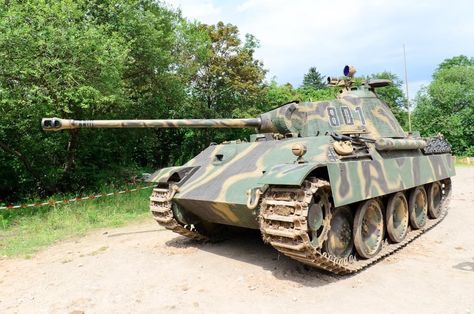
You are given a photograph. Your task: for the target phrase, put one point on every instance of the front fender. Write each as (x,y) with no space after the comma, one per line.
(174,174)
(288,174)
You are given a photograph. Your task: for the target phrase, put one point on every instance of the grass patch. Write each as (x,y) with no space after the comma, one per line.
(25,231)
(461,161)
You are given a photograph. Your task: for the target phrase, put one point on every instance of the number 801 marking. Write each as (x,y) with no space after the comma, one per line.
(346,116)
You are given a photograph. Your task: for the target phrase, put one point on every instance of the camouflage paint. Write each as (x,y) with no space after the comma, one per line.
(354,112)
(56,124)
(217,190)
(354,181)
(214,184)
(399,144)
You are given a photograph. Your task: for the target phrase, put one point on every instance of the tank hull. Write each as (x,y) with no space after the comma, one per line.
(215,188)
(215,185)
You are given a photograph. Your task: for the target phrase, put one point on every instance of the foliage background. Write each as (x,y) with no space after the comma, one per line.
(127,59)
(446,105)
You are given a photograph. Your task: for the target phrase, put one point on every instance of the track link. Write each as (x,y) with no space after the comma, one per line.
(162,209)
(283,223)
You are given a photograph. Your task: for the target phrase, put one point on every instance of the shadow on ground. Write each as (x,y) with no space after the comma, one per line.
(246,245)
(466,266)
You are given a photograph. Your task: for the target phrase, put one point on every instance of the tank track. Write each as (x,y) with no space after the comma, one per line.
(162,209)
(437,145)
(283,224)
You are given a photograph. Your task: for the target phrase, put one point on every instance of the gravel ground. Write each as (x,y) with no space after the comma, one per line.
(142,268)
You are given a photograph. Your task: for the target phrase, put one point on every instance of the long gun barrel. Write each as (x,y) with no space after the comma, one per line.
(56,124)
(281,120)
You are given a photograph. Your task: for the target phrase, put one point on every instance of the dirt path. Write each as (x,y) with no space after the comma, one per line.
(142,268)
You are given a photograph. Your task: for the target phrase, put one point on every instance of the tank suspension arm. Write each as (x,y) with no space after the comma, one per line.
(56,124)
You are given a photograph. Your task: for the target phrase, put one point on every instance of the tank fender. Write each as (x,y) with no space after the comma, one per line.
(288,174)
(354,181)
(178,175)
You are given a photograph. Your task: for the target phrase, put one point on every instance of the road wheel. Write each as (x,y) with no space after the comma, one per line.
(368,228)
(435,197)
(340,242)
(397,217)
(418,207)
(319,216)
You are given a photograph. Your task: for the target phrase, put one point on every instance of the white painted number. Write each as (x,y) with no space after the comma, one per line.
(347,117)
(361,115)
(333,119)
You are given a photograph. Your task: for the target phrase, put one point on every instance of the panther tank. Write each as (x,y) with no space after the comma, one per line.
(334,184)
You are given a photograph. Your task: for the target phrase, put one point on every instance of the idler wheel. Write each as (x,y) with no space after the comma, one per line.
(368,228)
(340,242)
(435,196)
(319,216)
(418,207)
(397,217)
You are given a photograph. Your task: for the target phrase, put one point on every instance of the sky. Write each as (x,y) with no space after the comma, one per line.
(368,34)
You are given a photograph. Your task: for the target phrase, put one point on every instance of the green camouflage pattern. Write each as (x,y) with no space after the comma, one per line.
(217,184)
(354,181)
(216,190)
(354,112)
(56,124)
(399,144)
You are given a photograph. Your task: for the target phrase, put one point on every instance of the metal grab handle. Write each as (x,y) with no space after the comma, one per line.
(256,199)
(173,191)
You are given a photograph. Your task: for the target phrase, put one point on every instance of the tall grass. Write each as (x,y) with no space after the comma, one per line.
(25,231)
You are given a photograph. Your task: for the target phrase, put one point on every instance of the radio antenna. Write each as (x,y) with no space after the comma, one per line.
(406,89)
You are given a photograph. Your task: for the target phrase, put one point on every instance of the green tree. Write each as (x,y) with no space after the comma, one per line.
(89,59)
(460,60)
(231,80)
(165,56)
(53,63)
(277,95)
(394,96)
(446,105)
(229,84)
(311,94)
(313,79)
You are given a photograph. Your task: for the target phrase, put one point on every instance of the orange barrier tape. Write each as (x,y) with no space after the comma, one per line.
(76,199)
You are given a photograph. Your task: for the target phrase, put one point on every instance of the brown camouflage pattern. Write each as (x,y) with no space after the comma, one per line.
(354,112)
(56,124)
(214,185)
(354,181)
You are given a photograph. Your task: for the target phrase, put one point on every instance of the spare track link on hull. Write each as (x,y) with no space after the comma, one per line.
(437,145)
(161,208)
(292,238)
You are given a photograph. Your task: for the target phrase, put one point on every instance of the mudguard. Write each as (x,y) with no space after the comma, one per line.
(288,174)
(177,175)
